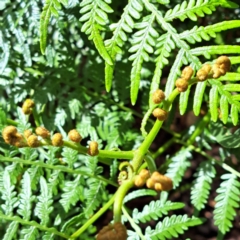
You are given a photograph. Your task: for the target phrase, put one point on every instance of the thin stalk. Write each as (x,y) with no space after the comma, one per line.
(93,218)
(56,167)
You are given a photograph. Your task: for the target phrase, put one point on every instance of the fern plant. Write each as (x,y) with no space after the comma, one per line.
(80,81)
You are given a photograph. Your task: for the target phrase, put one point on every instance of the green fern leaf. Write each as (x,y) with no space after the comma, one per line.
(235,114)
(201,186)
(5,53)
(197,34)
(155,210)
(70,156)
(139,193)
(226,201)
(50,7)
(73,192)
(224,108)
(113,45)
(30,233)
(143,43)
(171,227)
(26,198)
(8,195)
(178,166)
(48,236)
(11,231)
(183,101)
(198,97)
(213,103)
(43,206)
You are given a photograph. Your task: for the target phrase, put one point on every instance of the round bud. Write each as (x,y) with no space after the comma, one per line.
(144,173)
(156,176)
(139,181)
(93,148)
(202,75)
(187,73)
(160,114)
(27,133)
(74,136)
(158,96)
(224,62)
(28,106)
(150,183)
(57,140)
(158,186)
(217,72)
(181,84)
(33,141)
(42,132)
(8,133)
(207,68)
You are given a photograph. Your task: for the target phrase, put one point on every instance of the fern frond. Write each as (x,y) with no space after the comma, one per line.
(198,97)
(213,103)
(95,18)
(197,34)
(26,198)
(29,233)
(201,186)
(11,231)
(155,210)
(139,193)
(178,166)
(51,7)
(143,45)
(124,25)
(193,9)
(183,101)
(8,194)
(43,206)
(226,201)
(70,156)
(171,227)
(73,192)
(5,53)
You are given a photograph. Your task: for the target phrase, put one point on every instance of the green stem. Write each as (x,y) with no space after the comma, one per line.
(56,167)
(133,224)
(34,224)
(150,162)
(140,153)
(11,122)
(120,194)
(163,148)
(93,218)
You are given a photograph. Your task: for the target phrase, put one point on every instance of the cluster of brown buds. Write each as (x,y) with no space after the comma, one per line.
(157,97)
(218,69)
(155,181)
(115,231)
(182,83)
(13,137)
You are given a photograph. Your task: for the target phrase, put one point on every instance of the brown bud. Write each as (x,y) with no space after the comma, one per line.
(139,181)
(42,132)
(8,133)
(113,231)
(33,141)
(158,186)
(202,75)
(217,72)
(74,136)
(207,68)
(160,114)
(156,176)
(150,183)
(187,73)
(158,96)
(181,84)
(93,148)
(28,106)
(144,173)
(57,140)
(224,63)
(27,133)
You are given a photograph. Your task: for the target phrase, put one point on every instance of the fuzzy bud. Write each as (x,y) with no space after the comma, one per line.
(160,114)
(166,182)
(57,140)
(27,133)
(74,136)
(224,63)
(42,132)
(187,73)
(158,96)
(202,75)
(158,187)
(28,106)
(113,231)
(93,148)
(8,133)
(33,141)
(181,84)
(217,72)
(139,181)
(150,183)
(144,173)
